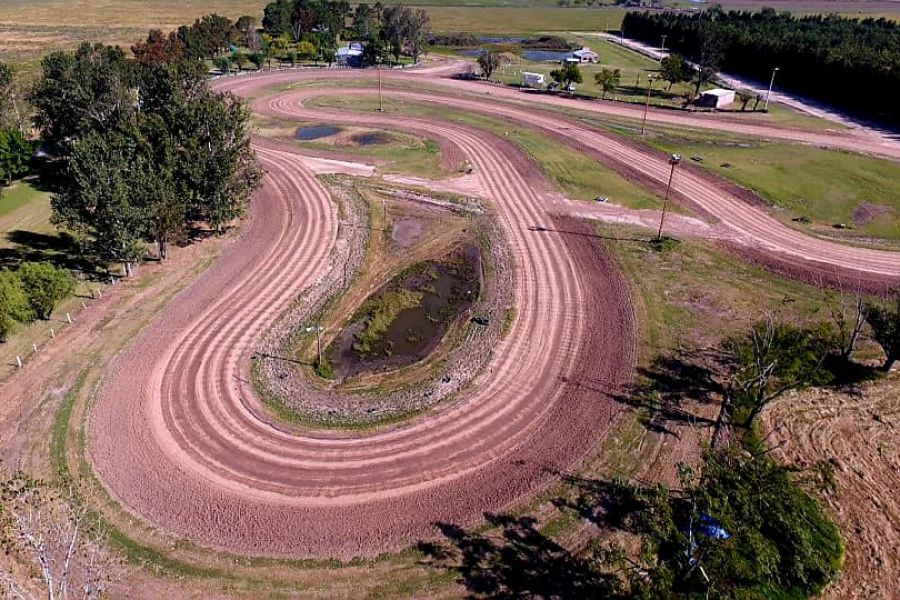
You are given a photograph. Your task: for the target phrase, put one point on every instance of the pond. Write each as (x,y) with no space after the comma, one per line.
(545,55)
(406,319)
(501,40)
(315,132)
(371,138)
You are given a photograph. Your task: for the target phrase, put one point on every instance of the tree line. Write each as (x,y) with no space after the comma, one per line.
(145,149)
(850,63)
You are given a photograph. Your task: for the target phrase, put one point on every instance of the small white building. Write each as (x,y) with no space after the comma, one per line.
(532,80)
(350,55)
(585,55)
(716,98)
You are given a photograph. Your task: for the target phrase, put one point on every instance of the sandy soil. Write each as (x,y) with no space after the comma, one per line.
(175,435)
(856,434)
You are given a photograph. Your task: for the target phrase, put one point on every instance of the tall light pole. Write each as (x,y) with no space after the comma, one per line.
(673,160)
(771,84)
(662,45)
(380,99)
(647,105)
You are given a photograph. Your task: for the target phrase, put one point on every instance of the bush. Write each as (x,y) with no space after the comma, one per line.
(45,286)
(13,303)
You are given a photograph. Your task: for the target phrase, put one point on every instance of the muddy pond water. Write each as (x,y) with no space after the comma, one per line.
(406,319)
(315,132)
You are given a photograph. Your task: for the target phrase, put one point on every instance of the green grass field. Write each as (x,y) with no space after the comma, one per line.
(826,186)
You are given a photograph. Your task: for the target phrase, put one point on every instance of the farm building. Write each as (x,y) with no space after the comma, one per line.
(532,80)
(586,55)
(716,98)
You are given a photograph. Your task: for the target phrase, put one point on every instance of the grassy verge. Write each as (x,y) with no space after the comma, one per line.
(828,187)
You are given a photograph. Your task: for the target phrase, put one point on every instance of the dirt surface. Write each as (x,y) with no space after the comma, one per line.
(176,435)
(856,435)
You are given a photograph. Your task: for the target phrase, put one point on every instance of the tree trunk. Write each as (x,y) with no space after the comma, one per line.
(888,363)
(162,247)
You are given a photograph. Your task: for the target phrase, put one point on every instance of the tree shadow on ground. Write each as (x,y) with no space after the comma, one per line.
(670,382)
(518,562)
(59,249)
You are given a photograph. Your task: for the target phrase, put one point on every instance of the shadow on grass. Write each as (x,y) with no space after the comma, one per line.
(59,249)
(518,562)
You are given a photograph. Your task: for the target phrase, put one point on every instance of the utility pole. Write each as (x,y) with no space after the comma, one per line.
(380,99)
(771,84)
(673,160)
(662,45)
(647,105)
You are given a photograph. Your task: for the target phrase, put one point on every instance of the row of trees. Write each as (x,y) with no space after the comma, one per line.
(385,30)
(146,149)
(850,63)
(31,292)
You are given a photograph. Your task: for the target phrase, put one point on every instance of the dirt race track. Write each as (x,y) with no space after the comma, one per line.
(180,439)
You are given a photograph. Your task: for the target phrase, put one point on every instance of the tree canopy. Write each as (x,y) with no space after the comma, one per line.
(848,62)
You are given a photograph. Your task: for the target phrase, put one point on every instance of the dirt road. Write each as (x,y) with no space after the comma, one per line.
(175,436)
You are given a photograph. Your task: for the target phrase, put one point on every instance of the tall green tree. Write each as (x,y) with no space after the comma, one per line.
(674,69)
(608,80)
(45,286)
(566,74)
(92,89)
(15,154)
(99,202)
(13,303)
(884,319)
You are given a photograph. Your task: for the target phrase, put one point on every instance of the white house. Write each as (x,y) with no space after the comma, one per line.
(716,98)
(532,80)
(586,55)
(350,55)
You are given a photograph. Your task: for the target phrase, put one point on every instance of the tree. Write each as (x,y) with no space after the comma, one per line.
(98,203)
(223,64)
(240,59)
(608,79)
(674,69)
(771,360)
(257,58)
(745,96)
(9,108)
(13,303)
(884,319)
(416,31)
(159,48)
(15,154)
(848,315)
(307,50)
(58,538)
(367,21)
(45,286)
(569,73)
(488,61)
(91,89)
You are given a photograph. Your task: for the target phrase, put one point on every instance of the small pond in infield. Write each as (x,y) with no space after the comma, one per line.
(315,132)
(371,138)
(406,319)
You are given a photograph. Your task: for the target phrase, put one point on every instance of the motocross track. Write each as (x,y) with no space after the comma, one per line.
(179,438)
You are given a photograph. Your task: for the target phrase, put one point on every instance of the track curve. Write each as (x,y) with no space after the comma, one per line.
(175,437)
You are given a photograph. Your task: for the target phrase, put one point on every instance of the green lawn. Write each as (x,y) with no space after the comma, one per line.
(16,196)
(826,186)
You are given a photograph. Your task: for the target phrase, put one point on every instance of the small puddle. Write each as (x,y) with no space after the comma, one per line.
(444,289)
(371,138)
(315,132)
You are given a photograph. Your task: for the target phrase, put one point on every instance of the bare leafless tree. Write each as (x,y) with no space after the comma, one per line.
(59,543)
(848,314)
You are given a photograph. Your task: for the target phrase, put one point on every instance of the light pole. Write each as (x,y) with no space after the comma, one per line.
(673,160)
(380,100)
(771,84)
(647,105)
(662,45)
